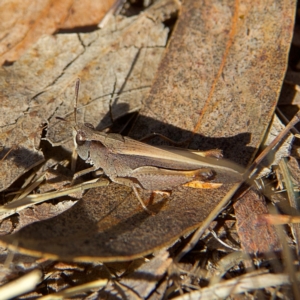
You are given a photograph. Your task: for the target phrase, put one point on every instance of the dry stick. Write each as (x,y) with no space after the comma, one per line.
(29,200)
(205,224)
(271,146)
(248,175)
(74,153)
(285,120)
(293,200)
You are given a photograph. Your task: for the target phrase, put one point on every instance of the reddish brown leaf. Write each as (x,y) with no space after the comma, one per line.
(86,13)
(256,237)
(24,22)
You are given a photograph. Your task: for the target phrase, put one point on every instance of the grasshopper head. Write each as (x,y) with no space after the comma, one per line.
(82,139)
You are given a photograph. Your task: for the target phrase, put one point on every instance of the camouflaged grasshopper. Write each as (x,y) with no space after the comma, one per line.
(139,165)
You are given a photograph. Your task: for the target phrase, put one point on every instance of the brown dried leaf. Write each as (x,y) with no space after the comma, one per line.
(122,85)
(110,224)
(86,13)
(256,237)
(40,84)
(34,214)
(224,82)
(144,279)
(20,117)
(24,22)
(284,150)
(6,227)
(19,154)
(41,212)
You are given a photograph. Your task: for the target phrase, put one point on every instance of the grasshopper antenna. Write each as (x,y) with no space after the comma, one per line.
(77,85)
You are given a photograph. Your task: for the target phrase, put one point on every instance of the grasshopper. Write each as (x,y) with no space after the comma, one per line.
(138,165)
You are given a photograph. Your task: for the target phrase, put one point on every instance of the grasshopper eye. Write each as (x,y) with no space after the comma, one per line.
(80,138)
(89,125)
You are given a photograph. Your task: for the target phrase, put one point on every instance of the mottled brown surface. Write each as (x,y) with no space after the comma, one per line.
(256,237)
(110,224)
(115,66)
(24,22)
(221,76)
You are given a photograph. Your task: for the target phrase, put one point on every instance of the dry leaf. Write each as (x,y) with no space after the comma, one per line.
(86,13)
(284,150)
(143,280)
(24,22)
(116,71)
(256,238)
(40,84)
(41,212)
(110,225)
(226,78)
(20,153)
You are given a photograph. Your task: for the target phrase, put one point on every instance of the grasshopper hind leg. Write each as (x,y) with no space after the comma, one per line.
(131,183)
(141,200)
(154,179)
